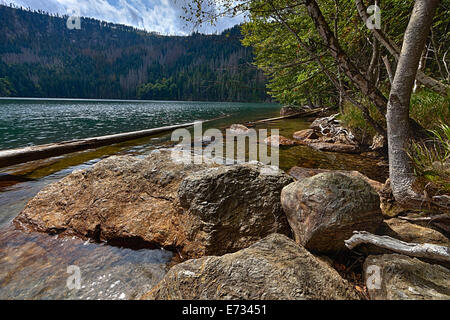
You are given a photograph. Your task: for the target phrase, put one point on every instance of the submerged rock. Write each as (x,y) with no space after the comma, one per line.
(282,141)
(325,209)
(398,277)
(306,135)
(230,208)
(134,202)
(334,147)
(271,269)
(238,129)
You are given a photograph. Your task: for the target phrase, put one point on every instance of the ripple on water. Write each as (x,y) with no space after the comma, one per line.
(34,266)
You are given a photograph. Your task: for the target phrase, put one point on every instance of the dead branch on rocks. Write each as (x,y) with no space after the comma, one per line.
(425,250)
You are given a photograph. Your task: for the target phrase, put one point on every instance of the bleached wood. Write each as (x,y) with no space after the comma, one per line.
(425,250)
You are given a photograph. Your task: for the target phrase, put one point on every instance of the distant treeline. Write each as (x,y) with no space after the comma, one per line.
(41,57)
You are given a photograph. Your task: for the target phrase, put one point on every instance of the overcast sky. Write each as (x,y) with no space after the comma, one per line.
(162,16)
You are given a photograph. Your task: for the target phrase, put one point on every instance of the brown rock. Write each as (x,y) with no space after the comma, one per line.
(398,277)
(282,141)
(410,232)
(238,129)
(300,173)
(275,268)
(121,200)
(305,135)
(325,209)
(334,147)
(233,207)
(136,203)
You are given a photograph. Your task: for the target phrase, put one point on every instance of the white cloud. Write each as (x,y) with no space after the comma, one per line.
(162,16)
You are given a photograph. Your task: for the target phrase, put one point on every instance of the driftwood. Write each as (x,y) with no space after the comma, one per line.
(21,155)
(425,250)
(306,113)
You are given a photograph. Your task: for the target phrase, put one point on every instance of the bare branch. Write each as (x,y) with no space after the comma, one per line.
(425,250)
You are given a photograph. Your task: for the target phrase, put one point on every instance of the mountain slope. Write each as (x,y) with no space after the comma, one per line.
(41,57)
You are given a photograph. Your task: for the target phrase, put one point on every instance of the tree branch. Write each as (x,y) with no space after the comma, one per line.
(425,250)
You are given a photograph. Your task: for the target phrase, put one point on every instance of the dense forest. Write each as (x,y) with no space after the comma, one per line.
(41,57)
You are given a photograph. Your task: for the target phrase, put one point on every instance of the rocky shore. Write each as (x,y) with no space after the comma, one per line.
(241,233)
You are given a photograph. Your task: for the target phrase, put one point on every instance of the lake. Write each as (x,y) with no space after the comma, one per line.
(33,122)
(34,266)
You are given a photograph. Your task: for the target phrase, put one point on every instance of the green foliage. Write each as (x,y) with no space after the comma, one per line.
(6,88)
(353,119)
(161,90)
(294,77)
(431,159)
(429,108)
(42,58)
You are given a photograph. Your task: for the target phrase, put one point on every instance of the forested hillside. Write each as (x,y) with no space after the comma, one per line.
(41,57)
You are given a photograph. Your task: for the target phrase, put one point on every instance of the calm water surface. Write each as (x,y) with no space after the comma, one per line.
(34,266)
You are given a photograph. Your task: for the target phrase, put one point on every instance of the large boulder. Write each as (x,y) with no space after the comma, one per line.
(300,173)
(134,202)
(232,207)
(273,268)
(325,209)
(398,277)
(122,200)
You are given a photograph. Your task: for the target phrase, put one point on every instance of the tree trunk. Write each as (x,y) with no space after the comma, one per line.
(400,168)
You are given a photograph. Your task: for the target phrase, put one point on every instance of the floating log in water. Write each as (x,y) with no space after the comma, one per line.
(306,113)
(21,155)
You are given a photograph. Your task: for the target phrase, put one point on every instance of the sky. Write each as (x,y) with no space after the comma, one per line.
(161,16)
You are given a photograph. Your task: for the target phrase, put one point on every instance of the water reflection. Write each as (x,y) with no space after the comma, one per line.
(34,266)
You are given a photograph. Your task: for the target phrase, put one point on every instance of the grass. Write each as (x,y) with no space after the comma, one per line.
(353,119)
(431,159)
(428,108)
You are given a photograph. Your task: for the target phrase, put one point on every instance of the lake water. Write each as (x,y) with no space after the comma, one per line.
(34,266)
(33,122)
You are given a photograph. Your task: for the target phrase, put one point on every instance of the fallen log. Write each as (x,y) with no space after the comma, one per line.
(295,115)
(22,155)
(424,250)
